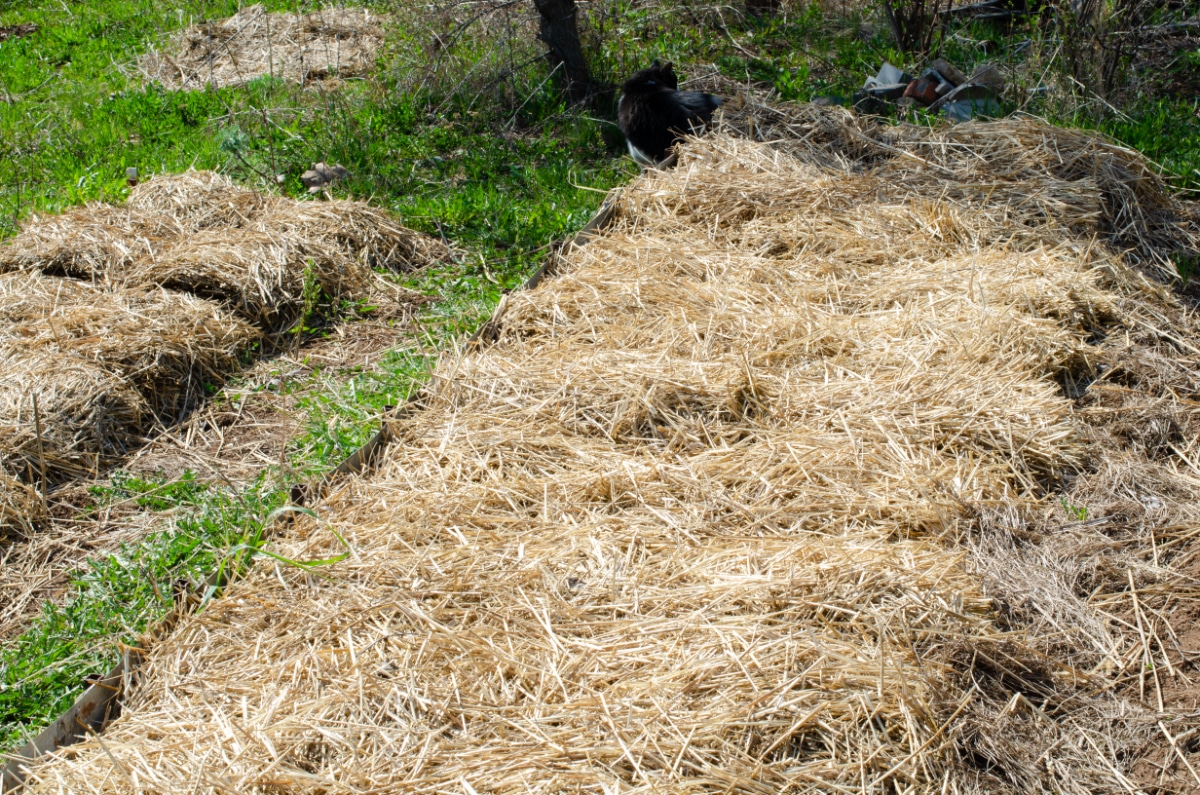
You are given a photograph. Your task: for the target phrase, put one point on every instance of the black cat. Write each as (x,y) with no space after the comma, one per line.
(653,114)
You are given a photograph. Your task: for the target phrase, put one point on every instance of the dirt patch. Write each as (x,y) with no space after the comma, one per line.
(17,31)
(335,43)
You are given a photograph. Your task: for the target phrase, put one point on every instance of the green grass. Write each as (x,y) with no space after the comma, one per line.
(119,594)
(493,162)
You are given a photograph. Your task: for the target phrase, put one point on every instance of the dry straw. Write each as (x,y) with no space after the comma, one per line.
(302,48)
(105,366)
(692,522)
(170,293)
(198,232)
(22,511)
(165,344)
(87,415)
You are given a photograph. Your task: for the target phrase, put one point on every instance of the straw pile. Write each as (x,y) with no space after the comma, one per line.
(301,48)
(105,365)
(164,344)
(171,292)
(199,233)
(86,413)
(692,524)
(1046,175)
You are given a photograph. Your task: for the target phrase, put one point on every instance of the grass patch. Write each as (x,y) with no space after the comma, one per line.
(119,595)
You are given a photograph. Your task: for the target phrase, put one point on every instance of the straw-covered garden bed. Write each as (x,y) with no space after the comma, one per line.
(302,48)
(199,233)
(765,493)
(86,371)
(120,319)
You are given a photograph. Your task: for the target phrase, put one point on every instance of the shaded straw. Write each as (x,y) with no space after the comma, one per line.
(690,523)
(87,415)
(165,344)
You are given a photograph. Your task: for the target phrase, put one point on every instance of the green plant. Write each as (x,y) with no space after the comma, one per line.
(154,496)
(118,595)
(1077,512)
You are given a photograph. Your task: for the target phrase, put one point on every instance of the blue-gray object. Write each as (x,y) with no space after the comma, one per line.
(967,109)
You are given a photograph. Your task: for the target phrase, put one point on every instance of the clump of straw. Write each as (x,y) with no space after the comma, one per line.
(199,200)
(198,232)
(166,345)
(86,413)
(364,233)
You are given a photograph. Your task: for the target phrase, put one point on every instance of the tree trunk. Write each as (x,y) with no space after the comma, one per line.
(559,32)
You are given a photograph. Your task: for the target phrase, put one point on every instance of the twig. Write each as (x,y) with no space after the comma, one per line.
(1178,752)
(37,425)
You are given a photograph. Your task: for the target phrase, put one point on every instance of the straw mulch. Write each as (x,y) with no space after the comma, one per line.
(302,48)
(105,365)
(710,515)
(260,255)
(169,294)
(1048,176)
(22,511)
(165,344)
(86,412)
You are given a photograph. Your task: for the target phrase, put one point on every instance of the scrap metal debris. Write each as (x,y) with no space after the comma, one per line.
(941,88)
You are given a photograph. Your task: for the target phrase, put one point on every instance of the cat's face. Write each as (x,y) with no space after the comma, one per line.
(655,78)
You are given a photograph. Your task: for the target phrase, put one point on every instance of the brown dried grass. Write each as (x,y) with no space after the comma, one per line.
(107,366)
(165,344)
(198,200)
(22,512)
(302,48)
(1042,173)
(87,414)
(198,232)
(726,507)
(171,292)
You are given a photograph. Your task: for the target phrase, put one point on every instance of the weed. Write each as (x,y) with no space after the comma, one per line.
(1077,512)
(122,486)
